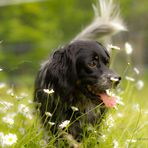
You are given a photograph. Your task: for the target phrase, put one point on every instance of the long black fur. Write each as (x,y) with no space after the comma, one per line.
(76,73)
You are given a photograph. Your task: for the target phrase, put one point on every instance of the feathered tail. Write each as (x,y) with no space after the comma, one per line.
(107,21)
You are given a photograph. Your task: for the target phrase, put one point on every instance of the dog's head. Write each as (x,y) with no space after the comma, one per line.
(84,66)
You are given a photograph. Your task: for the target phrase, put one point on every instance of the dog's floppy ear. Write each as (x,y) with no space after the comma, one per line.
(60,73)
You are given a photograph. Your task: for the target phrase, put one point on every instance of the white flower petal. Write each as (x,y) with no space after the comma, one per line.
(64,124)
(9,139)
(129,78)
(48,91)
(128,48)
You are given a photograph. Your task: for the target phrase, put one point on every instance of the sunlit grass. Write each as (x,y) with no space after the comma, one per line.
(124,126)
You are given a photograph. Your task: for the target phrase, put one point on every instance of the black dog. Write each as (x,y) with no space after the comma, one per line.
(79,74)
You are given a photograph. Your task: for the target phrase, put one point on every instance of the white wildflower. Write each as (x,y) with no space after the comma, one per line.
(24,95)
(51,123)
(2,85)
(119,101)
(129,141)
(136,107)
(113,47)
(8,120)
(110,121)
(1,69)
(25,111)
(136,71)
(64,124)
(128,48)
(43,143)
(30,101)
(1,136)
(48,114)
(19,98)
(6,105)
(10,92)
(9,139)
(129,78)
(48,91)
(74,108)
(120,115)
(139,84)
(115,144)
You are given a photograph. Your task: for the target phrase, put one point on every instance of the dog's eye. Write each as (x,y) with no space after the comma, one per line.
(92,64)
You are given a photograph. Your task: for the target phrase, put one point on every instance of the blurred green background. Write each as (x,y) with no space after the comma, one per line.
(29,31)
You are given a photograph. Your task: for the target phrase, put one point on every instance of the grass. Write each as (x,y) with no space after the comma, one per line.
(123,127)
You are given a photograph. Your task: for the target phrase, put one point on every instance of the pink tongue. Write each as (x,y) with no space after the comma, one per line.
(107,100)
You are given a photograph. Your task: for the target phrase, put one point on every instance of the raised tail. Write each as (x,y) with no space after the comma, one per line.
(107,21)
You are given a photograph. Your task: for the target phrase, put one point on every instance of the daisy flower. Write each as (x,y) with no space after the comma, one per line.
(64,124)
(9,139)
